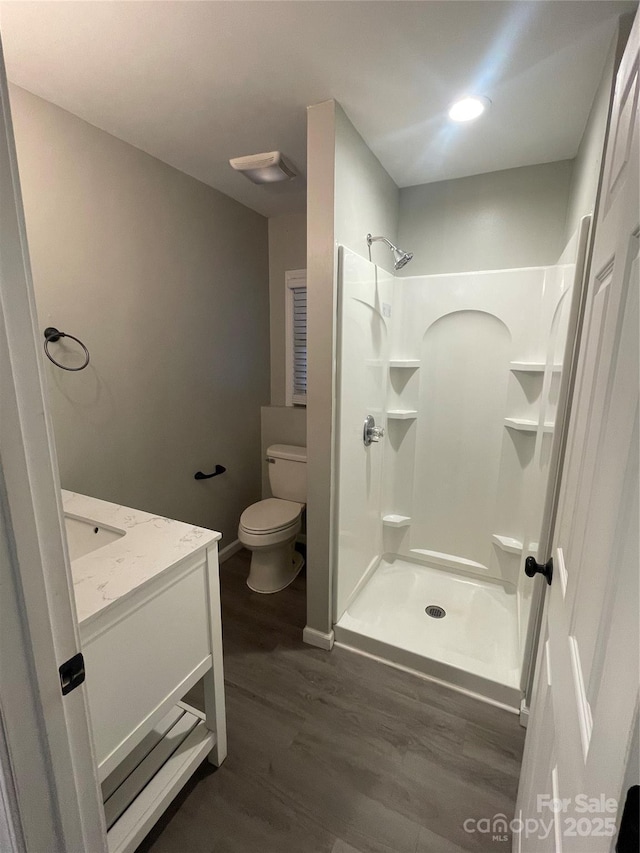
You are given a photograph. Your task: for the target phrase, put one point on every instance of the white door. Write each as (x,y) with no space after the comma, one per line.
(586,690)
(49,794)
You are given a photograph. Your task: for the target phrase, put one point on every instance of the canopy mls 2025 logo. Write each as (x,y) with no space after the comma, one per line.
(581,816)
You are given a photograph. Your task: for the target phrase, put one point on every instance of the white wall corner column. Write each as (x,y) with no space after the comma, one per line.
(321,301)
(349,194)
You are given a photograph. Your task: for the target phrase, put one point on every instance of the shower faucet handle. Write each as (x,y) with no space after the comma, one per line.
(370,432)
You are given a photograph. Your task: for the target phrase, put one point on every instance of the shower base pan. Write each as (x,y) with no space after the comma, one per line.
(472,647)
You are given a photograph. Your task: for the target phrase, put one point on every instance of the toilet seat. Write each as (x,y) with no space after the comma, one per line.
(271,515)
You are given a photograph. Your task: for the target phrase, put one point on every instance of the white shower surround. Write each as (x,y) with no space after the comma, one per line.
(463,372)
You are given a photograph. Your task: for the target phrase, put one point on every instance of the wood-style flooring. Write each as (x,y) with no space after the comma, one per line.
(331,752)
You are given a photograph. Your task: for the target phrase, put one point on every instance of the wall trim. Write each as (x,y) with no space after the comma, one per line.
(524,714)
(229,551)
(317,638)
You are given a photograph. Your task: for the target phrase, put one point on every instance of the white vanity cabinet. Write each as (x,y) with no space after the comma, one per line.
(148,607)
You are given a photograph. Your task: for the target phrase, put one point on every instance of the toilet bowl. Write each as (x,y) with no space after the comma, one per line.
(269,527)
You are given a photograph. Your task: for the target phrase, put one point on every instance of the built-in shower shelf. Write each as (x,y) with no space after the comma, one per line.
(407,363)
(532,367)
(507,543)
(402,414)
(393,520)
(525,425)
(511,545)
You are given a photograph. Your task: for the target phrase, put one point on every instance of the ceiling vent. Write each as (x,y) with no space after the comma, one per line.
(264,168)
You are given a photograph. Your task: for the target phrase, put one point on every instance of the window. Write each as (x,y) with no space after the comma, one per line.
(296,341)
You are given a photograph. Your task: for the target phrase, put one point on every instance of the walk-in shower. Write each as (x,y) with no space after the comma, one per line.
(457,376)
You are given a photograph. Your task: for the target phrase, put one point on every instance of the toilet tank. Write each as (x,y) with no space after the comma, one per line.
(288,472)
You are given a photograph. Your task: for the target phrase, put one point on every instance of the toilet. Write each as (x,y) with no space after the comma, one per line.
(269,528)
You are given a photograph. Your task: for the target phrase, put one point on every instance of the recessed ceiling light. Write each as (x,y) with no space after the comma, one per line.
(468,108)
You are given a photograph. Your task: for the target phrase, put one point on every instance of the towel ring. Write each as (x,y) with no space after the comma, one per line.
(51,335)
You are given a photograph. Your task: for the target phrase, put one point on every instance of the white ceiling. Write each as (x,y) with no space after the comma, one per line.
(195,83)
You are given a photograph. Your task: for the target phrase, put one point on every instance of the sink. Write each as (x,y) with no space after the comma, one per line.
(85,536)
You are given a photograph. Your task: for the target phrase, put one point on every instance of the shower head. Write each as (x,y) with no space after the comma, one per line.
(401,259)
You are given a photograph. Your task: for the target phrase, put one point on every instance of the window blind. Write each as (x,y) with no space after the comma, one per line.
(299,391)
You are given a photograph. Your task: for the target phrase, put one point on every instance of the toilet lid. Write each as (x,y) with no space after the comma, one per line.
(270,514)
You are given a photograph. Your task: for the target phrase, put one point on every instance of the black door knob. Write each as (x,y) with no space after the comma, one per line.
(531,568)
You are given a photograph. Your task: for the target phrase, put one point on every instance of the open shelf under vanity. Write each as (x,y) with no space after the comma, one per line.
(139,790)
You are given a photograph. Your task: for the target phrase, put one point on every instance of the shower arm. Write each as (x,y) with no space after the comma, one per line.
(371,240)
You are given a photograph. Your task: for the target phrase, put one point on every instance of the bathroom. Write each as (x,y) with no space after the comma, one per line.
(177,274)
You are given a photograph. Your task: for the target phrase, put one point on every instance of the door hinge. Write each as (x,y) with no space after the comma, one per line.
(71,673)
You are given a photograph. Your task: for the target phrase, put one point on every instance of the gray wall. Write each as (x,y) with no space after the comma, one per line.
(287,251)
(348,195)
(166,281)
(588,163)
(512,218)
(366,198)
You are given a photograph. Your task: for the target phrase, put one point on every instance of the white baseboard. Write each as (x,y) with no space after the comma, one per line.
(317,638)
(229,551)
(524,714)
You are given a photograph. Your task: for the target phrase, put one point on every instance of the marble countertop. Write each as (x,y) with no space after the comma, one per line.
(151,545)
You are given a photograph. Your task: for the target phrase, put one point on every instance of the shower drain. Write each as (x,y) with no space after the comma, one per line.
(435,611)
